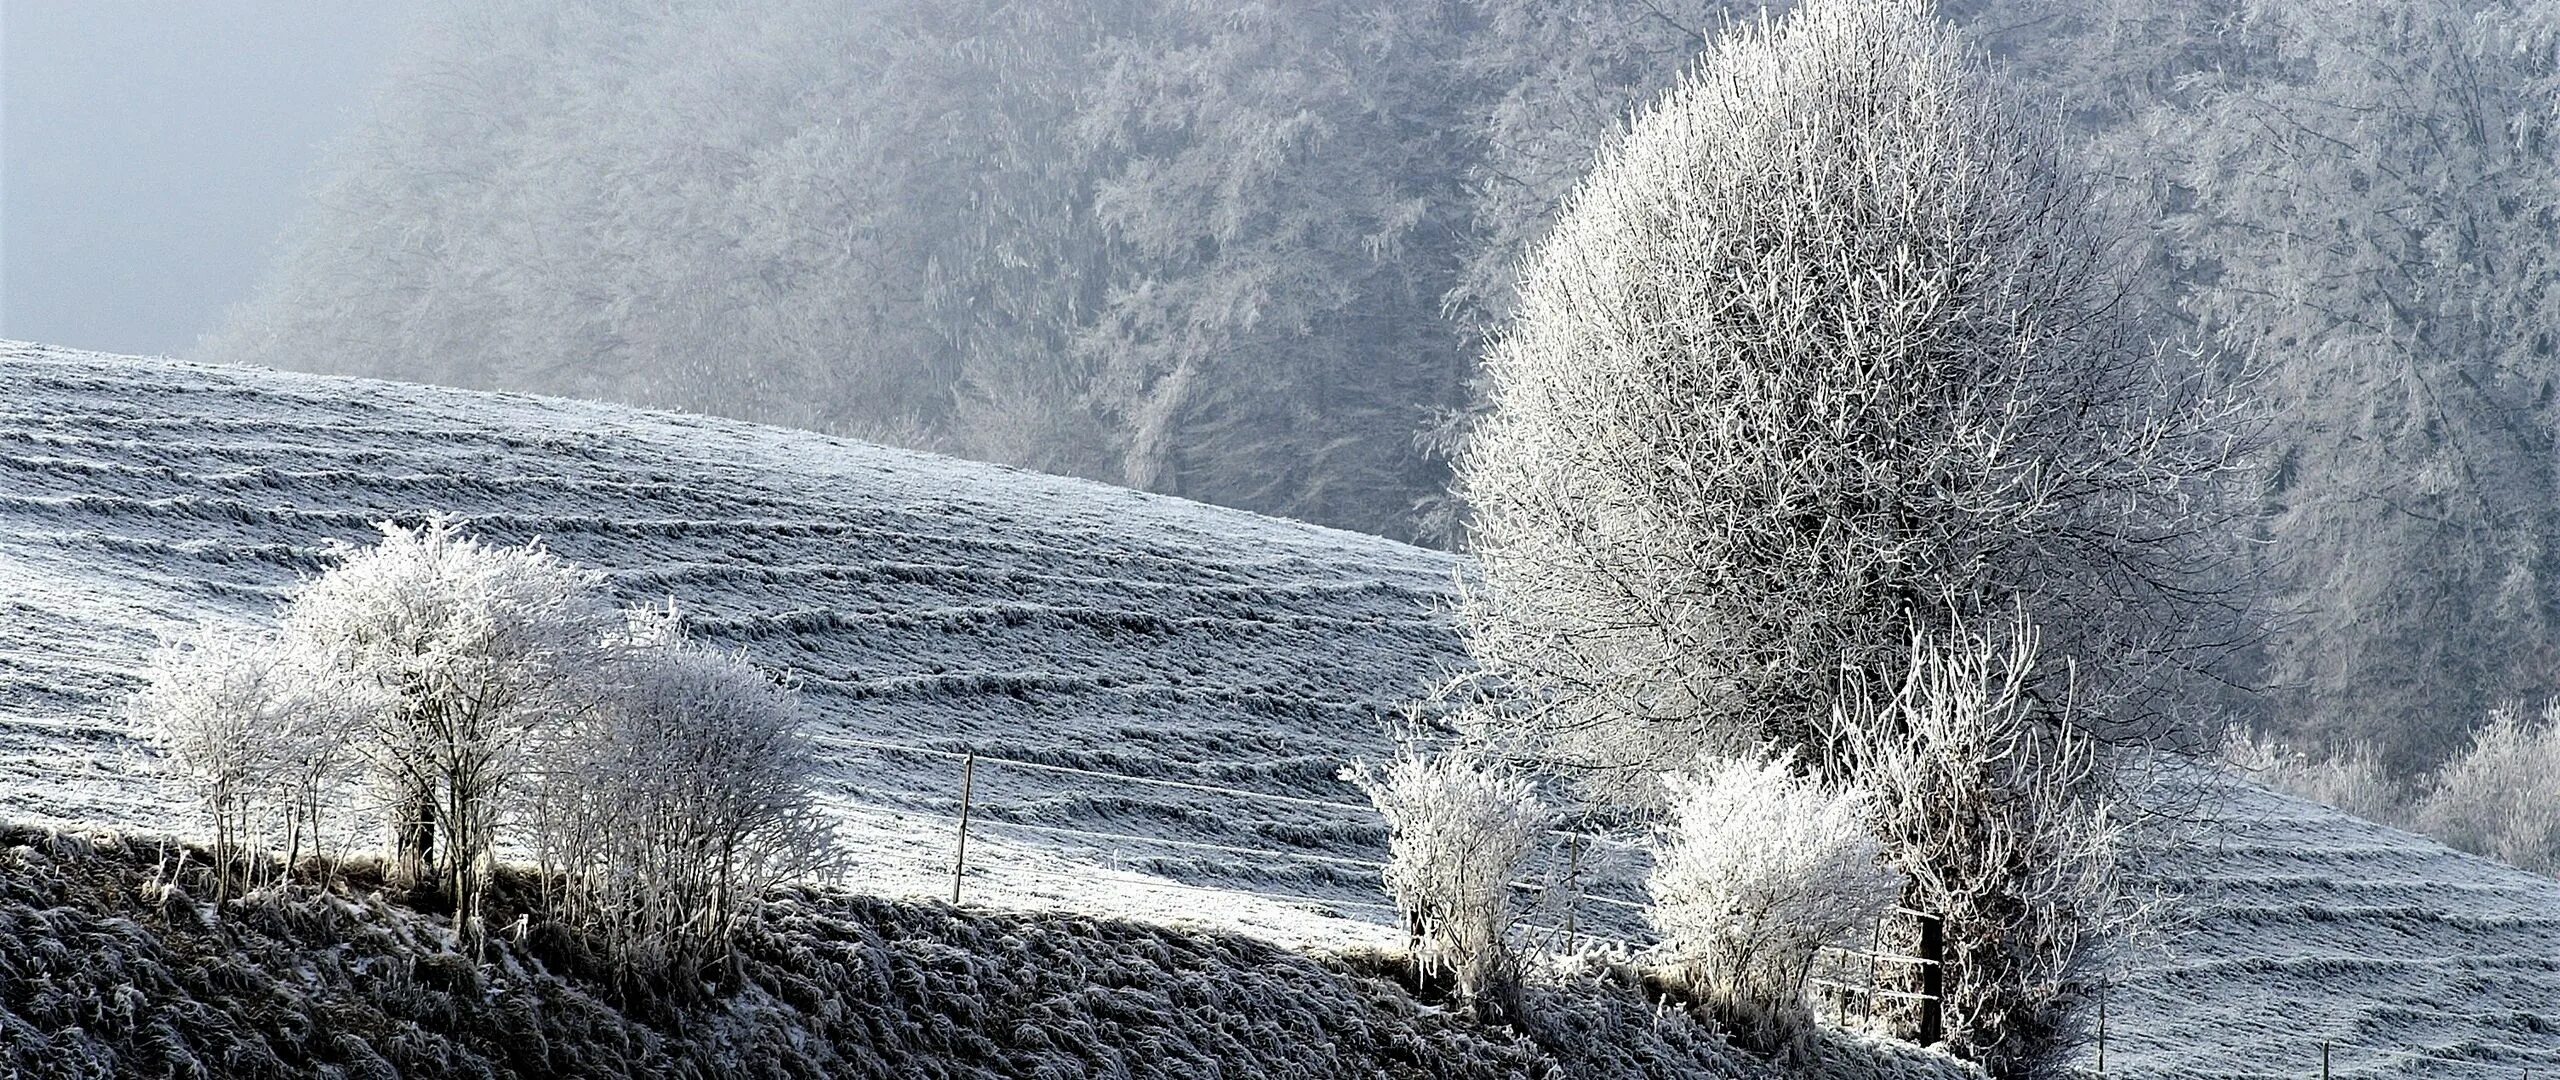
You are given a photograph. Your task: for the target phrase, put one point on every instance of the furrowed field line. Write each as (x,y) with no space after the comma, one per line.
(1187,785)
(1320,903)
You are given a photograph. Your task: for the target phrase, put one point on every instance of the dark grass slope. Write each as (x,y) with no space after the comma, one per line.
(113,965)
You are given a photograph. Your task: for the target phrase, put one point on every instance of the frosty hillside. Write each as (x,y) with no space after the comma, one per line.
(277,464)
(897,812)
(1868,605)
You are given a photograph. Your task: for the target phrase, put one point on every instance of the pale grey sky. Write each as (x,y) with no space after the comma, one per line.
(152,150)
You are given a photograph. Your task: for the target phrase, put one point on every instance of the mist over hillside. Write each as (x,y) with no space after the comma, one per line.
(1249,254)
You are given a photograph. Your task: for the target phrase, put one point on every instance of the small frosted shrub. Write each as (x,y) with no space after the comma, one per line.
(254,731)
(2351,779)
(674,806)
(2500,797)
(1757,869)
(1459,832)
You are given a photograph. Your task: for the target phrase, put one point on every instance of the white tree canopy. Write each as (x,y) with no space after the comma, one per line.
(1830,343)
(473,651)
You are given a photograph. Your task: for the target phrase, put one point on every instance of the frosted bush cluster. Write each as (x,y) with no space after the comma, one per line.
(2498,797)
(1458,833)
(259,734)
(668,811)
(475,688)
(1758,868)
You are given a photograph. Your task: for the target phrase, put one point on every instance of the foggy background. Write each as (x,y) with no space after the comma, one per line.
(151,152)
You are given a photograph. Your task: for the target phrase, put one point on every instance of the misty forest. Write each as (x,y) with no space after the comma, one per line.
(1629,538)
(1249,253)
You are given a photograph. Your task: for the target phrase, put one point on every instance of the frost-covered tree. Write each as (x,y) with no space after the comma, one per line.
(674,807)
(1833,342)
(2011,821)
(474,654)
(254,731)
(1459,832)
(2368,205)
(1758,868)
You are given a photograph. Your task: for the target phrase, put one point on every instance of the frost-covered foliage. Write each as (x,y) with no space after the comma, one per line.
(258,733)
(2010,819)
(1194,246)
(2364,193)
(666,783)
(1459,832)
(1832,342)
(2501,796)
(674,807)
(1758,868)
(2353,779)
(475,655)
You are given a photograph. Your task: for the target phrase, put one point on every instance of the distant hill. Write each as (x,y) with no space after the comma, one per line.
(928,603)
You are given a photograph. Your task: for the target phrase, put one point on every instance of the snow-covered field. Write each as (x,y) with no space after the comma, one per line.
(2410,958)
(920,601)
(938,604)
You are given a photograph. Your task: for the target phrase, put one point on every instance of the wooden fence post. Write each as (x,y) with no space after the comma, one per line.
(2102,1035)
(2324,1059)
(1875,971)
(1572,885)
(960,857)
(1933,982)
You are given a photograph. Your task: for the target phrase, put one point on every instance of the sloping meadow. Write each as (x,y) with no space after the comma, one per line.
(1213,667)
(919,602)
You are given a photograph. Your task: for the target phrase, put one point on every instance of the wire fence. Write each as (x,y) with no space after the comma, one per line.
(2333,1057)
(1560,916)
(1885,988)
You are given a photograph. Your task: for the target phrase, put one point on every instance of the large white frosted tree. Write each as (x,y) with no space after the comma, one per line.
(1832,344)
(1833,354)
